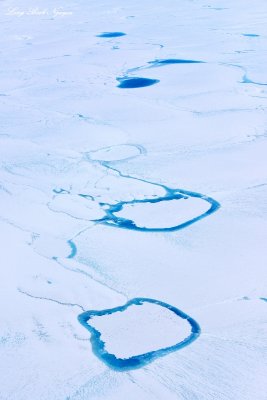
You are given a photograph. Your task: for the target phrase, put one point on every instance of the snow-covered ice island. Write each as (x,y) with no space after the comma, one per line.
(133,200)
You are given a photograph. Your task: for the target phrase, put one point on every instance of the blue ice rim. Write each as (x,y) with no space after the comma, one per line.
(137,361)
(172,194)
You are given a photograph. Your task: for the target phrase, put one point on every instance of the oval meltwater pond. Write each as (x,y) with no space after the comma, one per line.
(110,34)
(170,61)
(135,82)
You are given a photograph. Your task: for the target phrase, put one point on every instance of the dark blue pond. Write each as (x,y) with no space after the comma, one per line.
(135,82)
(136,361)
(163,62)
(169,61)
(110,34)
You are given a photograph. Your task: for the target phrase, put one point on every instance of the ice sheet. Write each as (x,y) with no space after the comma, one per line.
(110,194)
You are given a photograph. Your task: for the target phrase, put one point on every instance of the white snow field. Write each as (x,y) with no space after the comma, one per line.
(114,188)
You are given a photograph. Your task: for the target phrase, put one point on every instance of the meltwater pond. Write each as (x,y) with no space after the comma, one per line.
(160,62)
(137,333)
(170,61)
(110,34)
(135,82)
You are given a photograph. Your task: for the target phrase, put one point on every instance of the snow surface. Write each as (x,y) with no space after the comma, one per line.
(73,145)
